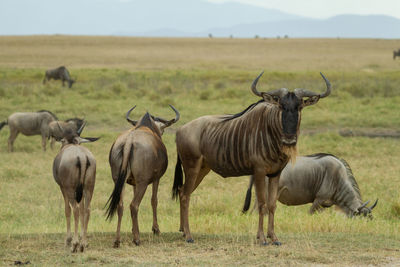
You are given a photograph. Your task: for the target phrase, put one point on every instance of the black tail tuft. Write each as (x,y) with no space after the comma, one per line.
(2,124)
(247,200)
(115,197)
(178,180)
(79,193)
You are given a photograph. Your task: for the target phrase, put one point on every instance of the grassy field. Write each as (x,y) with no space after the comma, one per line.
(199,77)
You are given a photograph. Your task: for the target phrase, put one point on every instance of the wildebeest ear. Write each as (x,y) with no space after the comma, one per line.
(88,139)
(270,98)
(311,101)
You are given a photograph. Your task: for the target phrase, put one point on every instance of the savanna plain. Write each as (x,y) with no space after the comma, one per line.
(200,77)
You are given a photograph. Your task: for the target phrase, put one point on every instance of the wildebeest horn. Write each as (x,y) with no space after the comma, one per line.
(254,85)
(374,205)
(300,92)
(363,205)
(170,122)
(177,115)
(128,119)
(81,129)
(277,92)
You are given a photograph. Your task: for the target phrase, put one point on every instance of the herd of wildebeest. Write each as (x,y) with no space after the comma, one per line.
(259,141)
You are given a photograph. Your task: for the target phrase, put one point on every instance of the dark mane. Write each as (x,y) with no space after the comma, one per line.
(51,113)
(349,172)
(77,121)
(146,121)
(321,155)
(237,115)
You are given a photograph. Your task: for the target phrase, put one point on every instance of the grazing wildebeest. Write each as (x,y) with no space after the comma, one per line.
(139,157)
(396,54)
(259,140)
(60,73)
(74,170)
(29,123)
(323,180)
(55,132)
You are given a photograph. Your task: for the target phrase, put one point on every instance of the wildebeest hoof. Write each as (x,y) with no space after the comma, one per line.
(82,248)
(68,241)
(137,242)
(156,231)
(74,247)
(116,243)
(276,243)
(190,240)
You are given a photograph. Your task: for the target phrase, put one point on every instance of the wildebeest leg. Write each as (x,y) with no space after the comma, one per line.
(120,211)
(273,185)
(316,206)
(75,239)
(67,207)
(63,82)
(202,173)
(13,135)
(85,203)
(154,202)
(44,142)
(191,168)
(139,191)
(259,182)
(52,141)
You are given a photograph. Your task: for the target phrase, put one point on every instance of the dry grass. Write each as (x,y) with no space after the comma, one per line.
(198,53)
(199,76)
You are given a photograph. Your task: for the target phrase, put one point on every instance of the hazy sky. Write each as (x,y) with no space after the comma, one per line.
(328,8)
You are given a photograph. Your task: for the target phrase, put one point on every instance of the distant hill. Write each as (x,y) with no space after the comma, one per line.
(346,26)
(179,18)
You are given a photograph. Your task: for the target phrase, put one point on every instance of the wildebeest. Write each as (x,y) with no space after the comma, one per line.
(60,73)
(323,180)
(55,132)
(259,140)
(29,123)
(396,54)
(139,157)
(74,170)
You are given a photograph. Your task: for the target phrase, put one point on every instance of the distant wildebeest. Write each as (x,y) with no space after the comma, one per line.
(396,54)
(323,180)
(74,170)
(55,132)
(60,73)
(139,157)
(259,140)
(29,123)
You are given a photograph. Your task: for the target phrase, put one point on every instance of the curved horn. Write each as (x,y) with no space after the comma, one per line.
(254,85)
(127,117)
(300,92)
(177,115)
(363,205)
(277,92)
(166,122)
(328,87)
(374,205)
(81,129)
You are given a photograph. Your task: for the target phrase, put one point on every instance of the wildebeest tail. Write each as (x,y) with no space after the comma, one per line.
(247,200)
(2,124)
(178,179)
(115,197)
(81,174)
